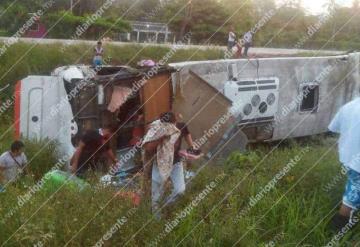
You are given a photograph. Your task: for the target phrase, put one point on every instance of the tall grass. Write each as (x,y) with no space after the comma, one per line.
(294,217)
(63,215)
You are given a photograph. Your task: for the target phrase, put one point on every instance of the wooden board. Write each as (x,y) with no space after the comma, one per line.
(156,97)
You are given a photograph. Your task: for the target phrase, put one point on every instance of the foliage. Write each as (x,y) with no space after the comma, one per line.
(204,18)
(12,17)
(70,22)
(22,59)
(297,209)
(209,20)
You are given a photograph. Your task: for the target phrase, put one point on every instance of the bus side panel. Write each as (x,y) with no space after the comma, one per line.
(45,112)
(17,109)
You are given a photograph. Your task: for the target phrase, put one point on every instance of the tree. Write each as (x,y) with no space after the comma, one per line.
(186,22)
(204,18)
(356,4)
(241,13)
(13,18)
(137,11)
(70,23)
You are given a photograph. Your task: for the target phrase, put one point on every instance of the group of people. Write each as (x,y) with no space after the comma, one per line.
(160,150)
(240,43)
(162,162)
(161,159)
(161,155)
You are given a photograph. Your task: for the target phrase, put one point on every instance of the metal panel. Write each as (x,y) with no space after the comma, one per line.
(44,111)
(202,106)
(86,109)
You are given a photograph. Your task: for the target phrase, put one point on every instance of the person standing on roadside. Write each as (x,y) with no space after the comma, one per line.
(231,38)
(98,54)
(248,40)
(238,49)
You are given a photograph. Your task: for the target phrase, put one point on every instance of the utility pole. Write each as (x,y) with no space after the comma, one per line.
(331,7)
(187,18)
(71,6)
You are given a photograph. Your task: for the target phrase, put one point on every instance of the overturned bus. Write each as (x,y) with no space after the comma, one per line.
(226,103)
(77,98)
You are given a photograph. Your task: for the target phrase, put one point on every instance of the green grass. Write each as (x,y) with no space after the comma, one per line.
(55,219)
(22,59)
(287,221)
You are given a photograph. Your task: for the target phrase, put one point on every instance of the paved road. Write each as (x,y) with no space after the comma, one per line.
(257,50)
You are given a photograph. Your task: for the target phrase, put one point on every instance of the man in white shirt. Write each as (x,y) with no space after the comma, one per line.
(347,124)
(231,39)
(12,163)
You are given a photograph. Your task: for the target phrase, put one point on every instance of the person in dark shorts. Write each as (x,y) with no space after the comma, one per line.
(231,39)
(89,153)
(248,40)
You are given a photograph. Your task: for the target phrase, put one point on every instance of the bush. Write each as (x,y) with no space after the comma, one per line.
(3,33)
(69,23)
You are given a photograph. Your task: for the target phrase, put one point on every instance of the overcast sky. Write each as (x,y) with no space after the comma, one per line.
(317,6)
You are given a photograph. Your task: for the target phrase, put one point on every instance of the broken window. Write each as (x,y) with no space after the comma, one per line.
(310,98)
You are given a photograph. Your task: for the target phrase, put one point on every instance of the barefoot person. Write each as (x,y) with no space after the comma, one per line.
(347,124)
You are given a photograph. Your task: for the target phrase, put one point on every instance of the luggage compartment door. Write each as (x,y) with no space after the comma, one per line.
(206,110)
(35,113)
(156,96)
